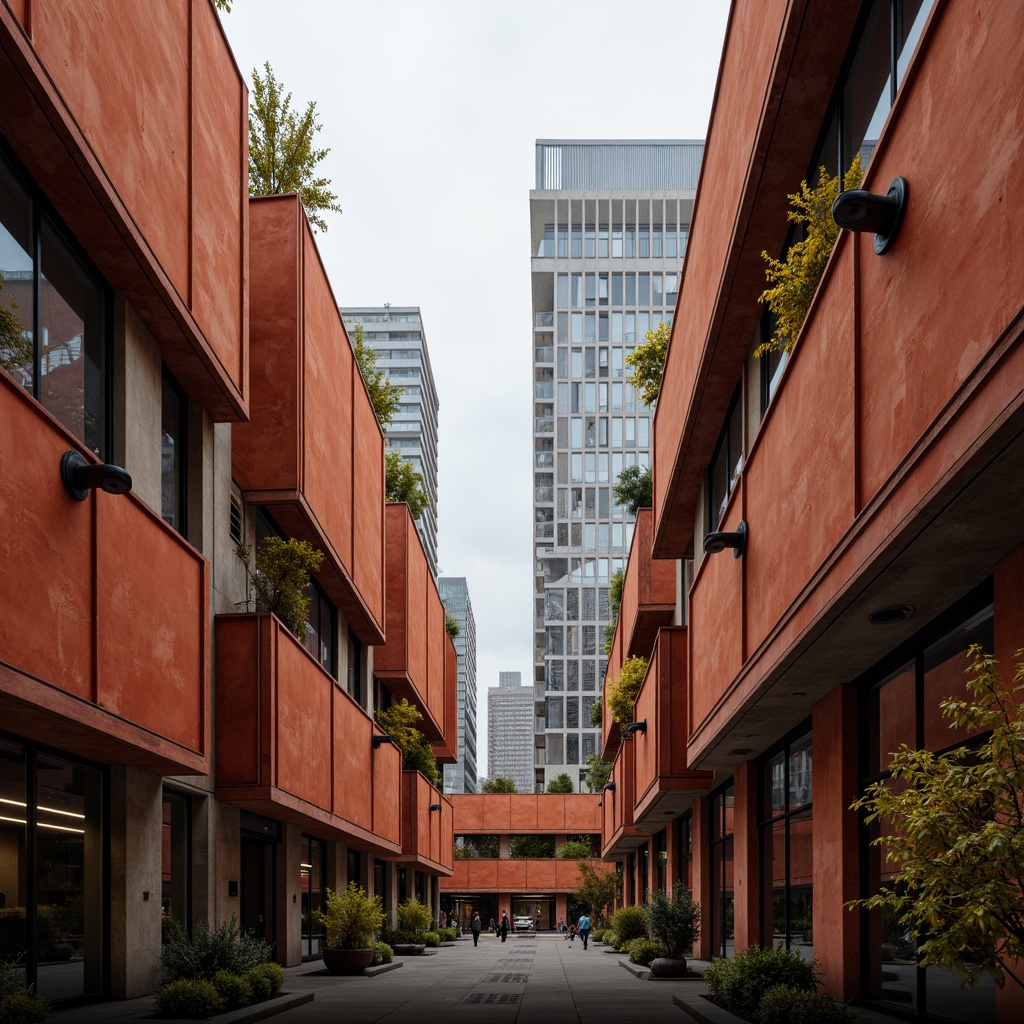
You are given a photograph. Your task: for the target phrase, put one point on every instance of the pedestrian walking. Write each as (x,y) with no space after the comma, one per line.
(584,929)
(475,928)
(444,919)
(561,926)
(493,927)
(504,927)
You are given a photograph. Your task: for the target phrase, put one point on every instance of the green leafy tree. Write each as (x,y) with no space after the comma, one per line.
(953,829)
(531,847)
(350,919)
(574,849)
(403,483)
(282,157)
(16,348)
(598,890)
(561,783)
(647,361)
(623,690)
(499,784)
(223,5)
(634,488)
(399,722)
(280,578)
(413,915)
(598,770)
(795,280)
(451,625)
(615,601)
(596,717)
(384,396)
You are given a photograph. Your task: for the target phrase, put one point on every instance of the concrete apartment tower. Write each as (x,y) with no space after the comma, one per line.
(461,777)
(396,335)
(510,731)
(609,222)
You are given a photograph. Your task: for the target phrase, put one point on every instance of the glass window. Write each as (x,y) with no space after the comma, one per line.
(562,291)
(670,243)
(867,92)
(577,242)
(62,361)
(176,864)
(563,241)
(555,676)
(554,718)
(173,430)
(616,242)
(722,914)
(590,240)
(645,242)
(602,243)
(630,243)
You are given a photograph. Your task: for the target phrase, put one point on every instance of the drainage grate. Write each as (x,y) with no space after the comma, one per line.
(506,979)
(492,997)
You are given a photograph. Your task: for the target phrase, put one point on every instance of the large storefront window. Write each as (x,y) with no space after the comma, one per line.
(51,870)
(722,912)
(53,316)
(903,707)
(787,845)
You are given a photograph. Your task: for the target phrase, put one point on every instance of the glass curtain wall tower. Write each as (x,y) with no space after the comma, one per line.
(395,333)
(510,731)
(609,222)
(461,776)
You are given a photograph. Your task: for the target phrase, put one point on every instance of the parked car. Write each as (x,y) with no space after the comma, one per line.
(522,923)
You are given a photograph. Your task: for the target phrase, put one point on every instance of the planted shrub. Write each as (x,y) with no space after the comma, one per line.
(188,1000)
(268,977)
(598,934)
(630,923)
(782,1005)
(23,1008)
(740,983)
(643,951)
(675,919)
(431,939)
(382,953)
(413,916)
(611,938)
(234,990)
(207,952)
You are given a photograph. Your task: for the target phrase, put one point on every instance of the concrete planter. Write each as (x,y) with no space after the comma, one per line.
(347,961)
(669,967)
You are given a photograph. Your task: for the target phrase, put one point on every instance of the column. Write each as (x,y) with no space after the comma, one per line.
(288,876)
(746,858)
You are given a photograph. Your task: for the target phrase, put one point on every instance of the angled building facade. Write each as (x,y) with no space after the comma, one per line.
(461,777)
(395,333)
(609,222)
(510,731)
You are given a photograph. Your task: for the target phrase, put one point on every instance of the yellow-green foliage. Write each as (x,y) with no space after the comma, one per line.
(648,364)
(384,396)
(622,691)
(280,578)
(16,348)
(351,918)
(795,280)
(399,722)
(413,915)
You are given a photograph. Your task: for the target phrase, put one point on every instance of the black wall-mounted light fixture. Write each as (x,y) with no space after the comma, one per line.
(385,738)
(635,727)
(80,477)
(435,807)
(736,539)
(860,210)
(610,784)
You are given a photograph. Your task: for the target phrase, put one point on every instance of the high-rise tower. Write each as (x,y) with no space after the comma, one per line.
(395,333)
(609,222)
(461,776)
(510,731)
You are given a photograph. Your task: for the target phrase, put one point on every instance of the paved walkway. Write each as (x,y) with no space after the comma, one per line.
(525,980)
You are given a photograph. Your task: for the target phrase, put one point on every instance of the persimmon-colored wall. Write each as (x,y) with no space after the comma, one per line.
(648,590)
(312,452)
(411,662)
(447,750)
(609,727)
(148,166)
(659,755)
(548,875)
(618,832)
(427,836)
(104,626)
(290,741)
(526,813)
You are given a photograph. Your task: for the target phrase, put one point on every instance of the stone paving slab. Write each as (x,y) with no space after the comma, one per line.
(560,982)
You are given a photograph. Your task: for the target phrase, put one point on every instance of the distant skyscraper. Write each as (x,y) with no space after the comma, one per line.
(510,730)
(396,335)
(609,223)
(461,777)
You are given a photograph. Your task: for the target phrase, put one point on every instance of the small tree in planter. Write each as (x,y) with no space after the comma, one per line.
(413,920)
(350,922)
(280,577)
(675,921)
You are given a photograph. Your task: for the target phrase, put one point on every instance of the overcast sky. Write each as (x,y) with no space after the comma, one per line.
(431,110)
